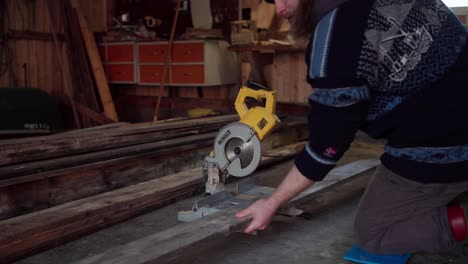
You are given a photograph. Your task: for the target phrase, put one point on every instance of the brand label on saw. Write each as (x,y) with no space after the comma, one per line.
(262,124)
(221,140)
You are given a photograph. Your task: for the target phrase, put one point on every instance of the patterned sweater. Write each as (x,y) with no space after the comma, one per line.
(396,69)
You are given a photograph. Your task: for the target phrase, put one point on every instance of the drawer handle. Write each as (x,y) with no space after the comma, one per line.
(156,74)
(158,52)
(188,52)
(188,74)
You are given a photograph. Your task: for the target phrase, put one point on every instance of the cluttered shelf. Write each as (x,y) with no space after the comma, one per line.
(266,48)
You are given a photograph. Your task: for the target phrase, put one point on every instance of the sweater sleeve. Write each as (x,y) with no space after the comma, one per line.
(339,103)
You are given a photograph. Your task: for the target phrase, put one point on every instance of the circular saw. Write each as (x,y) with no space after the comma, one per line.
(237,150)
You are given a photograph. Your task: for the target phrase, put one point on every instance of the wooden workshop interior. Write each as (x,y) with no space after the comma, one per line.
(109,108)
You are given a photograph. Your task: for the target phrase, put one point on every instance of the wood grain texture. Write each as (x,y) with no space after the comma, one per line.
(28,233)
(38,148)
(169,245)
(96,64)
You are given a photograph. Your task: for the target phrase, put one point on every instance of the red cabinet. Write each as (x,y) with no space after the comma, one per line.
(119,61)
(192,63)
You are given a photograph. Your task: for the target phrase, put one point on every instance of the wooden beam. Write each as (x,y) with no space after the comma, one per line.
(95,116)
(26,234)
(221,105)
(39,148)
(31,193)
(169,245)
(96,64)
(27,172)
(33,186)
(286,133)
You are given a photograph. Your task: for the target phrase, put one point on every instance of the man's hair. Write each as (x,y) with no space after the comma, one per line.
(304,21)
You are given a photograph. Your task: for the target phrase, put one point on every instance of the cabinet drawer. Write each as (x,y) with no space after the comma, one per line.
(188,52)
(152,74)
(121,73)
(120,53)
(187,74)
(152,53)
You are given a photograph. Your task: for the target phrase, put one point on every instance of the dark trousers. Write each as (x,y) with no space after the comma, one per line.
(398,216)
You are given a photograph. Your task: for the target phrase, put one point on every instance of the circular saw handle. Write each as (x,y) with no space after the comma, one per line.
(257,92)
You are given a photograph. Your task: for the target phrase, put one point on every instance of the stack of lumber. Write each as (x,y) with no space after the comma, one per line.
(55,188)
(36,173)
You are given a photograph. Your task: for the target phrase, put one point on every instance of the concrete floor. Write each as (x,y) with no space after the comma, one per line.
(323,239)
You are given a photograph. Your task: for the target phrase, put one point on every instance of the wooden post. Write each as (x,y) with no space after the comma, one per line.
(96,64)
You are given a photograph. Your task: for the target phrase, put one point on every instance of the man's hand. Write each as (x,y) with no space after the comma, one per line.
(262,211)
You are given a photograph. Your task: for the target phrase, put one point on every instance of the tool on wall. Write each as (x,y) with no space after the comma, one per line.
(152,22)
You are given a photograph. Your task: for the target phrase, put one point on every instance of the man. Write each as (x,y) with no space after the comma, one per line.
(396,69)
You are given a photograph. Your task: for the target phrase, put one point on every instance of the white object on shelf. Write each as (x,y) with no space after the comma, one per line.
(201,14)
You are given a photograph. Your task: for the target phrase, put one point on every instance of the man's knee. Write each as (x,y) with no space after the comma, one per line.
(368,238)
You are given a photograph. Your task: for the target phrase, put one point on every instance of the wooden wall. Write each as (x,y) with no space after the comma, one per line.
(288,77)
(38,61)
(463,19)
(462,13)
(34,56)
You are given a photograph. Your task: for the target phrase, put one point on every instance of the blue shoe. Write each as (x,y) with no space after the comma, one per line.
(358,255)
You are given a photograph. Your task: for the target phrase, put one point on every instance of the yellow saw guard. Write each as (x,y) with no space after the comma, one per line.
(261,119)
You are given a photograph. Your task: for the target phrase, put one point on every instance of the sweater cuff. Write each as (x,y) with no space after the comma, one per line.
(313,166)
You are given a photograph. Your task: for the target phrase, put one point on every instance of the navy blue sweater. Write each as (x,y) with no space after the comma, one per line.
(396,69)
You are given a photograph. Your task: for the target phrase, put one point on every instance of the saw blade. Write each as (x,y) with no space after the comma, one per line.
(237,148)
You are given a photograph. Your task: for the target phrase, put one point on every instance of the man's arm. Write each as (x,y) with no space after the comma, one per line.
(262,211)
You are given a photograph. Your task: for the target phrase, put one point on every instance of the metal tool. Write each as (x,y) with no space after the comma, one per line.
(237,150)
(237,153)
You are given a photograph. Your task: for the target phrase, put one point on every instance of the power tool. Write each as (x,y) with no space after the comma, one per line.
(237,150)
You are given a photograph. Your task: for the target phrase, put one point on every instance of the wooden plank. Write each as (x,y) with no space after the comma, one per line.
(289,133)
(93,115)
(139,128)
(79,176)
(221,104)
(82,216)
(29,169)
(84,87)
(169,245)
(100,128)
(133,129)
(26,234)
(22,150)
(95,60)
(79,182)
